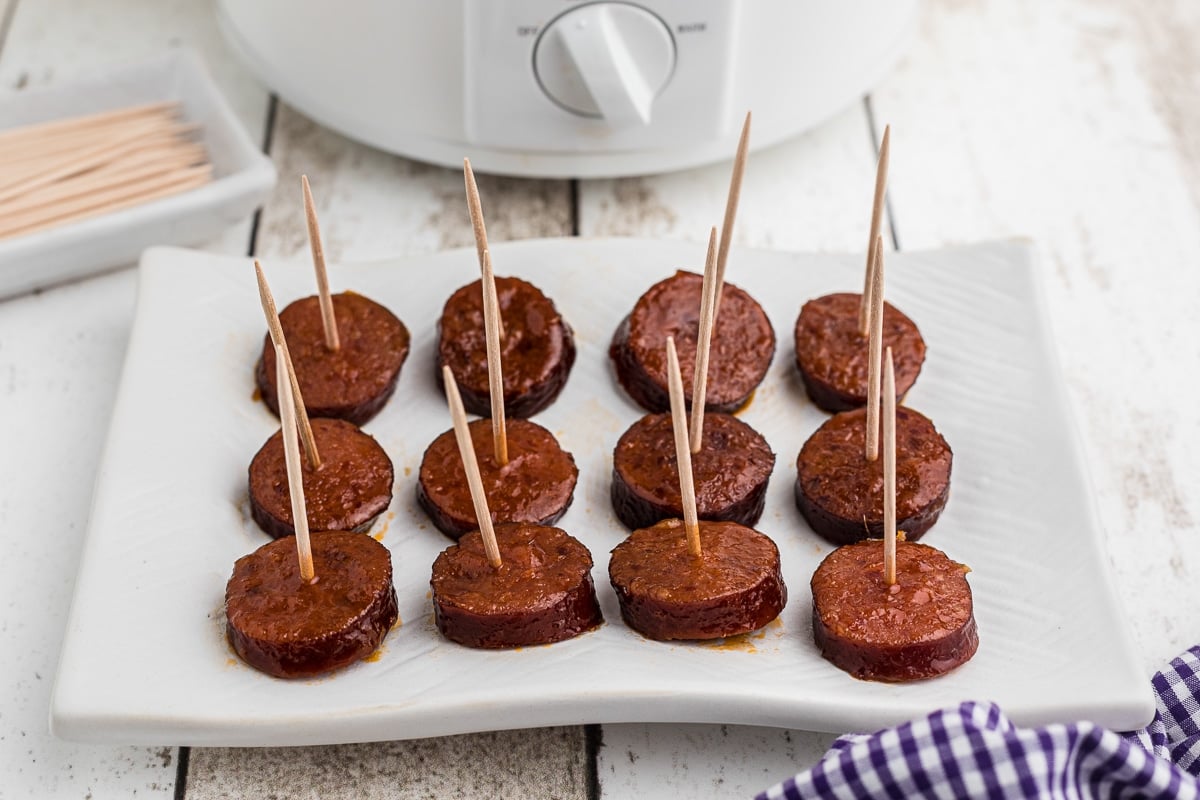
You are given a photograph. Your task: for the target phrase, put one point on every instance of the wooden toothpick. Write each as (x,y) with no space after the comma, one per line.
(881,174)
(64,171)
(889,470)
(683,453)
(295,472)
(708,299)
(84,158)
(112,199)
(491,329)
(285,366)
(328,320)
(462,435)
(117,179)
(492,325)
(92,122)
(475,207)
(864,327)
(875,354)
(731,203)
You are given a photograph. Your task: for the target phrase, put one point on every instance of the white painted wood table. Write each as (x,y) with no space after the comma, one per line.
(1074,123)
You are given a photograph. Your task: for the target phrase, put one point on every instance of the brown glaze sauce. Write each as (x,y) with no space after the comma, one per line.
(352,382)
(834,476)
(535,486)
(833,356)
(743,343)
(290,628)
(922,626)
(537,350)
(541,593)
(350,490)
(733,587)
(730,472)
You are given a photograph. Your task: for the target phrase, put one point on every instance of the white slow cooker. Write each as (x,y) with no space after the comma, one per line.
(555,88)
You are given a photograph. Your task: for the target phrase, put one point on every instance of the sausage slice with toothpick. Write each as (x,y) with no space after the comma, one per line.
(352,382)
(537,349)
(832,353)
(734,586)
(541,593)
(840,492)
(731,472)
(348,492)
(535,486)
(831,332)
(920,627)
(285,626)
(743,344)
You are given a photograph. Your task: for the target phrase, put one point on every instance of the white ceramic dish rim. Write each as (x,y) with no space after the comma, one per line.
(106,705)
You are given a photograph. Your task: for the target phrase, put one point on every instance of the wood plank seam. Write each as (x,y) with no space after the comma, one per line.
(593,740)
(181,772)
(268,137)
(574,201)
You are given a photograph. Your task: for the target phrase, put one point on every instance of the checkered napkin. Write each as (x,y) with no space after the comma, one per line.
(974,751)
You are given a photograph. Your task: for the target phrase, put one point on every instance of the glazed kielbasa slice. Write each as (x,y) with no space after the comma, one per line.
(833,356)
(348,493)
(536,351)
(743,343)
(731,472)
(840,493)
(284,626)
(734,586)
(536,486)
(920,627)
(351,383)
(541,593)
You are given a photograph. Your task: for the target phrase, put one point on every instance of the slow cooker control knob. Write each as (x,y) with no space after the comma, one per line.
(606,60)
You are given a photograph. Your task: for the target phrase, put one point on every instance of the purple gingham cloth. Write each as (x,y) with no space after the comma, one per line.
(974,751)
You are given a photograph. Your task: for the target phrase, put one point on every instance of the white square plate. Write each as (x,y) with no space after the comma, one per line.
(145,659)
(242,174)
